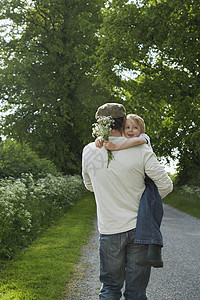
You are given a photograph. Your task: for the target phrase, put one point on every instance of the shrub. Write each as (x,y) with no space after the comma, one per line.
(29,205)
(190,190)
(15,220)
(186,198)
(18,158)
(188,168)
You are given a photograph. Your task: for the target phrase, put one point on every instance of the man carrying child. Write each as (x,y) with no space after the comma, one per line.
(118,189)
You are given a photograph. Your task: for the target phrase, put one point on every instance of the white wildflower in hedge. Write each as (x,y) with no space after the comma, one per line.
(192,190)
(15,220)
(28,205)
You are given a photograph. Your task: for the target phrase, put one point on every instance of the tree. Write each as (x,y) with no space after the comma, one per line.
(46,62)
(157,44)
(17,159)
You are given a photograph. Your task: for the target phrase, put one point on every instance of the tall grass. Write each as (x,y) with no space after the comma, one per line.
(186,199)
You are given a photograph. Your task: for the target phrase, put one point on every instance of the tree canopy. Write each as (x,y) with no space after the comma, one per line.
(60,60)
(46,62)
(149,56)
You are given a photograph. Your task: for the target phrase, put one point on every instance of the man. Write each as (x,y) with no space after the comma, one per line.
(118,189)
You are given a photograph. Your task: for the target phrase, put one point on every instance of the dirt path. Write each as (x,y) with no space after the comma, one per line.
(178,280)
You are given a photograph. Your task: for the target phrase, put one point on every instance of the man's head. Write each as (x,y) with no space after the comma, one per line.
(115,111)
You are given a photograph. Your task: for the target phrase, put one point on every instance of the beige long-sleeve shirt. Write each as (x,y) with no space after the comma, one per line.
(118,188)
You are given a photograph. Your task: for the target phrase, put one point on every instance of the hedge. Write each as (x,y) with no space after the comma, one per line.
(29,205)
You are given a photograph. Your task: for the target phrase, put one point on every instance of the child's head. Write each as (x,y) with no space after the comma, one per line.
(134,126)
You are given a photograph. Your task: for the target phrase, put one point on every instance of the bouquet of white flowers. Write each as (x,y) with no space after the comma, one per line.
(102,129)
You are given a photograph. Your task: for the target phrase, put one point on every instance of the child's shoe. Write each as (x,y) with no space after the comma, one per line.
(153,257)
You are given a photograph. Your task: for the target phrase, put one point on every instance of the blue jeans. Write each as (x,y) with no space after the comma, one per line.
(118,253)
(150,215)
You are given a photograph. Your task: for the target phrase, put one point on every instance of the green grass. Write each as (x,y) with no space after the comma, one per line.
(187,202)
(43,270)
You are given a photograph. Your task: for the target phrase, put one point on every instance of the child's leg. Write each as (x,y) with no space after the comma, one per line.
(150,215)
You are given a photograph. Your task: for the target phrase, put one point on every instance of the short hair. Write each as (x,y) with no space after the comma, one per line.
(139,121)
(118,123)
(113,110)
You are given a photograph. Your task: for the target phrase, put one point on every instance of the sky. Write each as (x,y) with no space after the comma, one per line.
(171,167)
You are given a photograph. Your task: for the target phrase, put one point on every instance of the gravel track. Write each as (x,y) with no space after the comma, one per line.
(179,279)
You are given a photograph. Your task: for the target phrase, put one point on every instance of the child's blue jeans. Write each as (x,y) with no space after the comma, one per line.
(150,215)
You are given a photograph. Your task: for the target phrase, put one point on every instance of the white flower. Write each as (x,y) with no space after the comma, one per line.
(102,129)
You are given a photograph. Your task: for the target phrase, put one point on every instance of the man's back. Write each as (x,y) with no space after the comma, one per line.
(118,188)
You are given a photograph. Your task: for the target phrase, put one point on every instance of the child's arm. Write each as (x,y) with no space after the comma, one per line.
(125,144)
(99,142)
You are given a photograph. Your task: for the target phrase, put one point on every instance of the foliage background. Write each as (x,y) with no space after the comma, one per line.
(46,61)
(17,158)
(60,60)
(149,54)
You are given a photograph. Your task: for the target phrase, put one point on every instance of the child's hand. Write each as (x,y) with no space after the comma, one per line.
(110,146)
(99,142)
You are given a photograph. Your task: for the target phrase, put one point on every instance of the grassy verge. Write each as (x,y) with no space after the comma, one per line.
(42,270)
(186,202)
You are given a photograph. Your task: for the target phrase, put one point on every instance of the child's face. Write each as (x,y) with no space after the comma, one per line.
(131,129)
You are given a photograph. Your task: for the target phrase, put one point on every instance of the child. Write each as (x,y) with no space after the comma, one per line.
(150,209)
(134,128)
